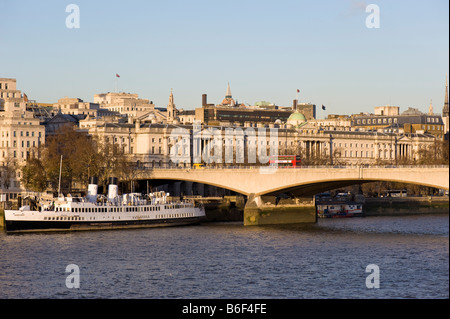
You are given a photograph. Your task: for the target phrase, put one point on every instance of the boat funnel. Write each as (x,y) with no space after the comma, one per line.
(92,189)
(112,188)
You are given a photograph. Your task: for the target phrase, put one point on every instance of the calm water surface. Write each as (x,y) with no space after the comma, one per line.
(228,260)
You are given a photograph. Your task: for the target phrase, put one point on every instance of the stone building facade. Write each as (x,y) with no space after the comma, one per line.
(21,133)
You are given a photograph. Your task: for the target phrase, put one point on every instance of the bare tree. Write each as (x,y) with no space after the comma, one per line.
(8,170)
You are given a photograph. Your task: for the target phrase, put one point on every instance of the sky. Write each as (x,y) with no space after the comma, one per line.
(266,50)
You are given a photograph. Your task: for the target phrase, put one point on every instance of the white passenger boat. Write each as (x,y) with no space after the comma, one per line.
(95,211)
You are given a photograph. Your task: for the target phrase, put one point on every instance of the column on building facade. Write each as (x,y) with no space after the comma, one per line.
(165,141)
(307,148)
(377,151)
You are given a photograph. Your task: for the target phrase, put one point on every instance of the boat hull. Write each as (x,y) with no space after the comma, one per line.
(33,225)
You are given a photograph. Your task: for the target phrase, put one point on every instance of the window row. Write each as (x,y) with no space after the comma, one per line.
(108,209)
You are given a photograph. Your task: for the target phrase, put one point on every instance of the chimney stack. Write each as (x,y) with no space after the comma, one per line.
(92,189)
(112,188)
(204,101)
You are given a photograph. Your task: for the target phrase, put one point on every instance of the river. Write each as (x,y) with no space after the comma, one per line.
(228,260)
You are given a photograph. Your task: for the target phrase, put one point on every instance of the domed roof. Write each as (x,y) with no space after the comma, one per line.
(297,116)
(263,103)
(296,119)
(228,101)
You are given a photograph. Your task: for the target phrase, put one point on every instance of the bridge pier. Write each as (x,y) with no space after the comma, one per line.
(265,210)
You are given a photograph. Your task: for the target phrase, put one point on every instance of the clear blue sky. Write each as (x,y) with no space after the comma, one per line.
(265,49)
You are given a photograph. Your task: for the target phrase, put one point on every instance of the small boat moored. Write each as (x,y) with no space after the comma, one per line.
(337,209)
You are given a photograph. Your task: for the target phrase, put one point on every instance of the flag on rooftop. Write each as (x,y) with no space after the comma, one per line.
(117,75)
(323,107)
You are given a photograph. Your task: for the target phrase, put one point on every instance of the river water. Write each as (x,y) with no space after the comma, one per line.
(228,260)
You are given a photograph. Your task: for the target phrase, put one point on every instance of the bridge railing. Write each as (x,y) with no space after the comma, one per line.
(296,168)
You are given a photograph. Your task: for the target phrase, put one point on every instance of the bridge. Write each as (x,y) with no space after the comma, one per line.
(305,180)
(259,183)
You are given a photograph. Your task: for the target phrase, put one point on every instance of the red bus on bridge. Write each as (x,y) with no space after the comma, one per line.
(285,161)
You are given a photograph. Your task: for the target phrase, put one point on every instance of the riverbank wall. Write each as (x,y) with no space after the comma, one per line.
(406,206)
